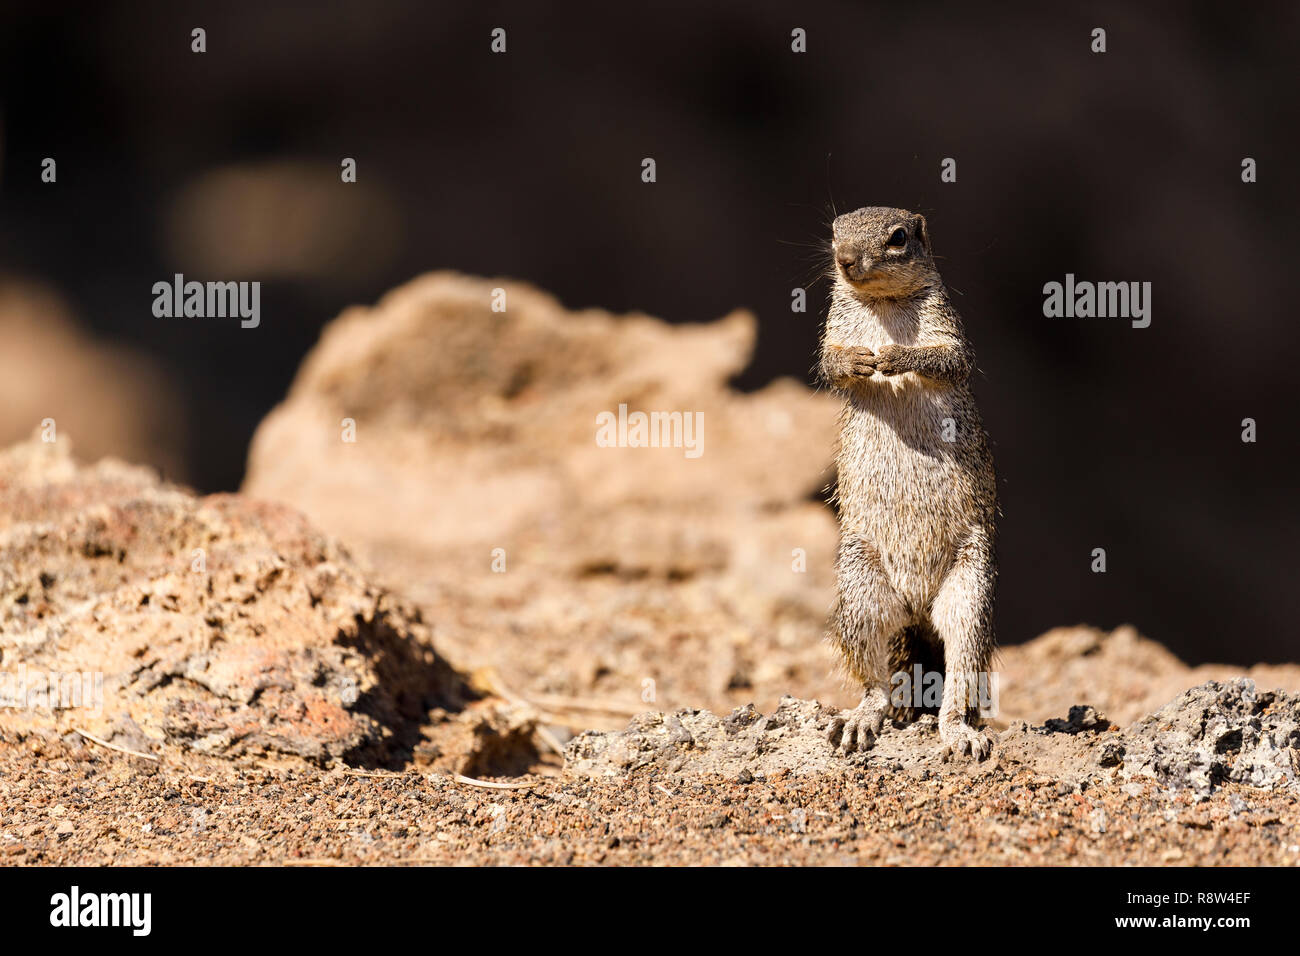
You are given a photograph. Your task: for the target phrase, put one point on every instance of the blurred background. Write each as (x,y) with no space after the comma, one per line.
(1122,167)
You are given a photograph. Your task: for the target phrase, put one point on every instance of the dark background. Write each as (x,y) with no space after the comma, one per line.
(1122,166)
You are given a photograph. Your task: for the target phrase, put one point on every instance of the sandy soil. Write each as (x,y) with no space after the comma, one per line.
(70,803)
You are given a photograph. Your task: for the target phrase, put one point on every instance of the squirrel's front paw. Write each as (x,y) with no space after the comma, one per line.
(888,360)
(849,362)
(856,729)
(860,360)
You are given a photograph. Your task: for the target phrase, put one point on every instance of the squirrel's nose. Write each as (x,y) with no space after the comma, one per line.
(845,257)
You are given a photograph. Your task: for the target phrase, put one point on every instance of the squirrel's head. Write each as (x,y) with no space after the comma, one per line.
(882,253)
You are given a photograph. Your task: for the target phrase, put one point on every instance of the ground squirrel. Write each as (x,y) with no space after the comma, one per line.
(916,490)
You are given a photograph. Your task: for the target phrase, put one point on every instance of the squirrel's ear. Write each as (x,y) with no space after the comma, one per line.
(922,231)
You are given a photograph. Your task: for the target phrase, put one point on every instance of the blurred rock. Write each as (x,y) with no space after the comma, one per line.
(1120,673)
(476,430)
(287,219)
(116,401)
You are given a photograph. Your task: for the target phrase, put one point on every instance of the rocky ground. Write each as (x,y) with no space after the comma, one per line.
(441,624)
(693,788)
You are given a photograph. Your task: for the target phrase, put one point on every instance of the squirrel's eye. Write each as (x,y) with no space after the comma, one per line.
(899,238)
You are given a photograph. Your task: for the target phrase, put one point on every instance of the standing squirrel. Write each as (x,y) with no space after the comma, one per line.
(916,490)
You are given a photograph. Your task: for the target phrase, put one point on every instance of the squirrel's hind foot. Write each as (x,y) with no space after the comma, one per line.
(857,729)
(961,739)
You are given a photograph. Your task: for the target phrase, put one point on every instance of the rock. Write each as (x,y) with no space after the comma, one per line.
(477,485)
(1110,754)
(215,624)
(1218,732)
(1082,718)
(497,411)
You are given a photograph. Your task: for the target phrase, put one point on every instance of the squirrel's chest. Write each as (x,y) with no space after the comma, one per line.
(897,419)
(899,480)
(871,335)
(873,327)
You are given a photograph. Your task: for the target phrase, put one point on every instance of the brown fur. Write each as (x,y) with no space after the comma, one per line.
(917,562)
